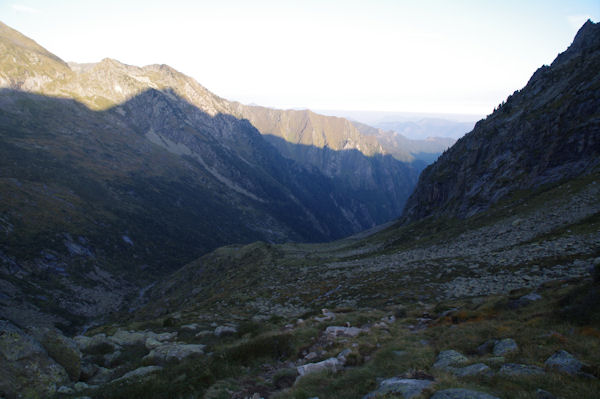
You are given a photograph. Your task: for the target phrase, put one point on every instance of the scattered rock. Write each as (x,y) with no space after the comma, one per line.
(459,393)
(80,386)
(505,346)
(335,331)
(190,327)
(449,358)
(517,370)
(138,373)
(564,362)
(152,343)
(169,352)
(407,388)
(224,330)
(473,369)
(333,364)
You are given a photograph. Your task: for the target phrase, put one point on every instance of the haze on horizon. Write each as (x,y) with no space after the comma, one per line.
(393,56)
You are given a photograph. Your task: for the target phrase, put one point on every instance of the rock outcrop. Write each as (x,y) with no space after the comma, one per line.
(546,132)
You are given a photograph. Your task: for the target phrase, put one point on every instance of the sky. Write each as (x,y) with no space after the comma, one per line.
(452,57)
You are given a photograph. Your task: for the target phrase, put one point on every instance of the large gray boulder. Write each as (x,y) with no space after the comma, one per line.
(449,358)
(26,370)
(564,362)
(471,370)
(62,349)
(405,387)
(505,346)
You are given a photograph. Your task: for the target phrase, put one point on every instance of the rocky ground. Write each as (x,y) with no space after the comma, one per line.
(500,306)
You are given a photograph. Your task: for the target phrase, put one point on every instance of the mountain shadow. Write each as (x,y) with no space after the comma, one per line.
(95,204)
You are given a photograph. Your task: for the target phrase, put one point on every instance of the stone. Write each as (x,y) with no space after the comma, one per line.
(405,387)
(459,393)
(88,370)
(26,369)
(102,376)
(169,352)
(89,344)
(152,343)
(122,338)
(449,358)
(332,364)
(311,356)
(223,330)
(335,331)
(62,349)
(80,386)
(111,358)
(473,369)
(65,390)
(517,370)
(505,346)
(139,373)
(327,315)
(564,362)
(190,327)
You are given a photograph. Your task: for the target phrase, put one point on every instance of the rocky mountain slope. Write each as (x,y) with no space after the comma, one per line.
(546,132)
(110,172)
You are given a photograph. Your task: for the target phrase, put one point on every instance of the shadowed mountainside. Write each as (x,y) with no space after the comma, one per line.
(546,132)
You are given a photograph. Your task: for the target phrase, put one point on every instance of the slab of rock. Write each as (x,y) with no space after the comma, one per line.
(517,370)
(505,346)
(473,369)
(406,387)
(486,347)
(333,364)
(62,349)
(459,393)
(169,352)
(138,373)
(26,370)
(336,331)
(564,362)
(101,376)
(152,343)
(449,358)
(88,344)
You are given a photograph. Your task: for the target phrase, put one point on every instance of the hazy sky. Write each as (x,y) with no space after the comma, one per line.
(415,56)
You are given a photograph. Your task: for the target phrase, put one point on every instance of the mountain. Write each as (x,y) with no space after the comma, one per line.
(114,175)
(503,303)
(544,133)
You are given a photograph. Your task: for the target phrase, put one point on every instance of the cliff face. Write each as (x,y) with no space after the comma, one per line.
(546,132)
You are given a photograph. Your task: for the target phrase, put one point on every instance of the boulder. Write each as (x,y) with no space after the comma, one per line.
(224,330)
(102,376)
(25,367)
(471,370)
(405,387)
(517,370)
(169,352)
(333,364)
(564,362)
(459,393)
(505,346)
(122,338)
(449,358)
(139,373)
(335,331)
(62,349)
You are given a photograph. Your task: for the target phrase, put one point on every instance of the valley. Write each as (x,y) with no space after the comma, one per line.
(158,241)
